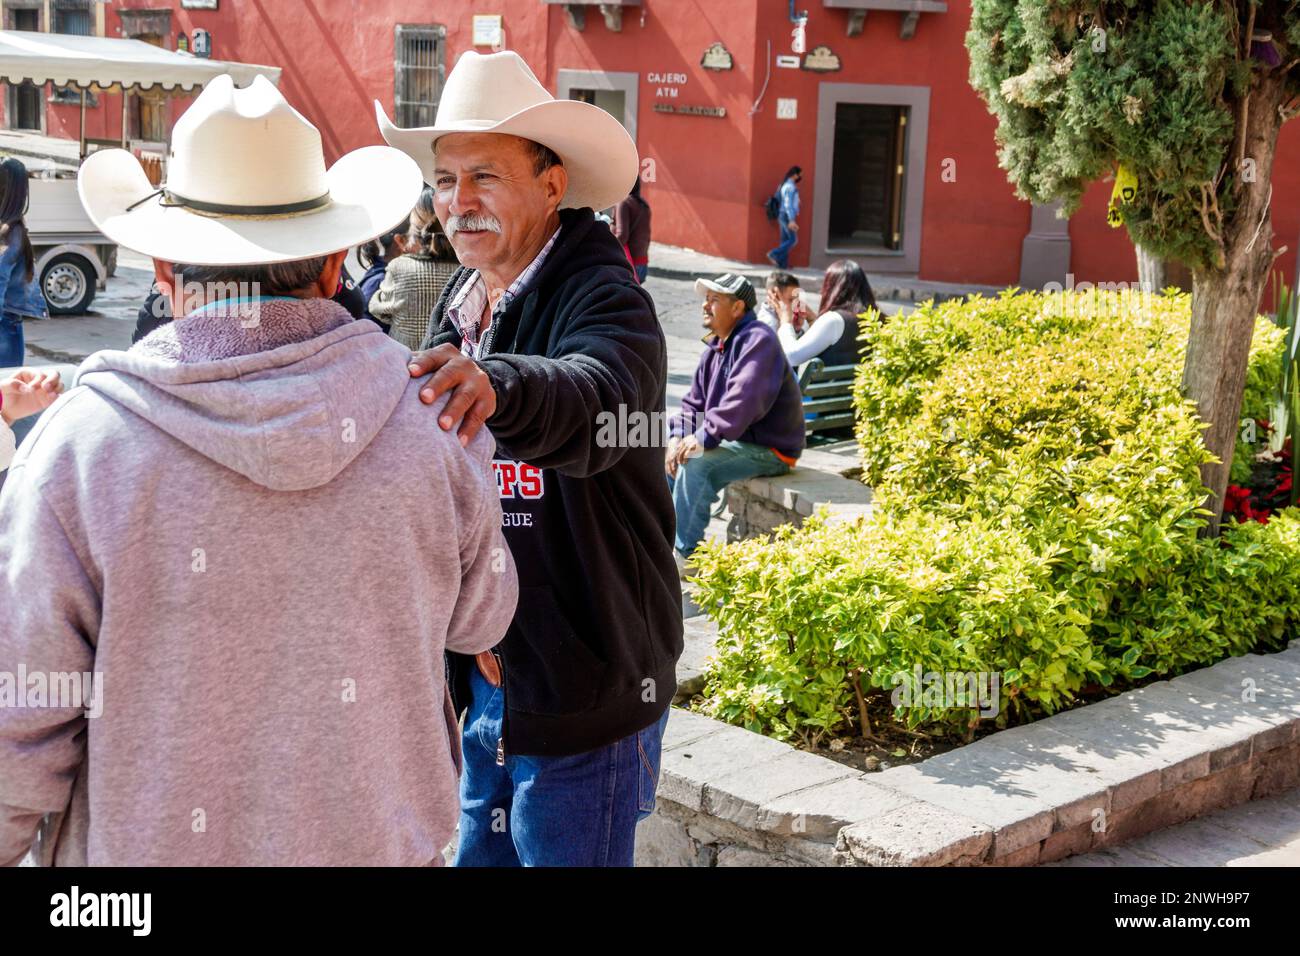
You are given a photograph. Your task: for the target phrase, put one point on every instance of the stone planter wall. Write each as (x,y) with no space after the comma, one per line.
(760,505)
(1084,779)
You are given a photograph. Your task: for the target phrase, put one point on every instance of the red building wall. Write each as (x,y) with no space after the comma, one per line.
(700,182)
(972,226)
(708,175)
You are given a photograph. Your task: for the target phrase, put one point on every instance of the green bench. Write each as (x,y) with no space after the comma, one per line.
(827,397)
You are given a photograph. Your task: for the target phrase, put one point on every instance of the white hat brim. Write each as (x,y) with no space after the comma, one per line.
(371,190)
(598,153)
(704,286)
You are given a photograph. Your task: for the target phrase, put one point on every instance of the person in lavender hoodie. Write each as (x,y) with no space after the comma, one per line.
(743,416)
(230,650)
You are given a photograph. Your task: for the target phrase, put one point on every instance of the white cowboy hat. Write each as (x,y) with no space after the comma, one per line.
(498,93)
(246,185)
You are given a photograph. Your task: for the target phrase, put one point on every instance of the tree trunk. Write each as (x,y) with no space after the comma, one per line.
(1151,271)
(1225,299)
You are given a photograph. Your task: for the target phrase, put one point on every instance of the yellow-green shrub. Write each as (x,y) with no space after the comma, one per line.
(1037,496)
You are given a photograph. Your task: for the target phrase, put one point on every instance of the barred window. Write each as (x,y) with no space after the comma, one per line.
(418,72)
(73,16)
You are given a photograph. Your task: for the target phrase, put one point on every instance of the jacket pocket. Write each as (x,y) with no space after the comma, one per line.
(549,670)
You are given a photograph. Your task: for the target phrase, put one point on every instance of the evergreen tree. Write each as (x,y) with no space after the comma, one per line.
(1187,98)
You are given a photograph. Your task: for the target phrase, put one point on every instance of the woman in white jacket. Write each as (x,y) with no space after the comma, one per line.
(24,393)
(833,335)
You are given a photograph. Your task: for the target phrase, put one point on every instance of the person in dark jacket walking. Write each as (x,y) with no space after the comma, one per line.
(787,217)
(545,335)
(632,228)
(743,416)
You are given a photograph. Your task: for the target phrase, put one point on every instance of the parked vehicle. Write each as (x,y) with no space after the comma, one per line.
(73,259)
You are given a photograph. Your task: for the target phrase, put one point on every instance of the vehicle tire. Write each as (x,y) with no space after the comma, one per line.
(68,284)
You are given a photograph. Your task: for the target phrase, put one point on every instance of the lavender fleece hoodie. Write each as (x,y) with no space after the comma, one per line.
(263,542)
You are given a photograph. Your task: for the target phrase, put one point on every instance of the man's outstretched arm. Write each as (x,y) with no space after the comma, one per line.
(547,410)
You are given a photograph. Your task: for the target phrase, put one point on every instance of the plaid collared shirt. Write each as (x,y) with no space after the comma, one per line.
(472,299)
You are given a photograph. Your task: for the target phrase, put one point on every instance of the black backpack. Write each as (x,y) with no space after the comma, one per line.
(772,207)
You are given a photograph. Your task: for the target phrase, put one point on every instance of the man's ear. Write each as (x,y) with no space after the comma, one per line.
(328,283)
(556,181)
(164,274)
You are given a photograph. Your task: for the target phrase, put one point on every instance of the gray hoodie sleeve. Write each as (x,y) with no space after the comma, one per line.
(489,588)
(49,614)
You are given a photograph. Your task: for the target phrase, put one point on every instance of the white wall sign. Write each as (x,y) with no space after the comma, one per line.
(799,36)
(789,61)
(787,109)
(487,30)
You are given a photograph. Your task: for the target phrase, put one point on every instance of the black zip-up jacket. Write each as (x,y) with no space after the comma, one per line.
(591,655)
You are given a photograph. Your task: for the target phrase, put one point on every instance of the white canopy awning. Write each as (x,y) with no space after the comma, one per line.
(68,60)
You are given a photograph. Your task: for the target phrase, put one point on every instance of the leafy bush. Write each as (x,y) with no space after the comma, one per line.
(1259,402)
(1037,503)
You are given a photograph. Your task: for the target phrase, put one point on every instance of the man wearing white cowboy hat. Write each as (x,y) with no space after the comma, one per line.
(226,528)
(546,335)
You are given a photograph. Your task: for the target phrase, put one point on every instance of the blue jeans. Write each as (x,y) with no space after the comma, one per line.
(700,479)
(13,352)
(641,272)
(551,811)
(788,238)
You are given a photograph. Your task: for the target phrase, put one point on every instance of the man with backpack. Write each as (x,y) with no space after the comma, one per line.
(783,206)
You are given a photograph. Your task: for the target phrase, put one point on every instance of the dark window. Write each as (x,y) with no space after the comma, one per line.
(25,106)
(418,73)
(28,19)
(867,176)
(25,100)
(73,16)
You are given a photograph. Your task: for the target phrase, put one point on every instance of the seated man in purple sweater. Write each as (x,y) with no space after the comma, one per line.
(743,416)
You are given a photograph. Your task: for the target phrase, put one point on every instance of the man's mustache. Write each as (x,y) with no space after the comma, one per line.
(472,222)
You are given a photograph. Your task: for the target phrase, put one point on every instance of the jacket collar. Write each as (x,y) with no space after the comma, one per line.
(719,345)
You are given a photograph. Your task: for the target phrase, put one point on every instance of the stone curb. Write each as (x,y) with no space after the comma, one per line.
(1090,777)
(759,505)
(671,262)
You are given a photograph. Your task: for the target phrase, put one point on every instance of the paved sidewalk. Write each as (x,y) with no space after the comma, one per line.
(1260,833)
(40,152)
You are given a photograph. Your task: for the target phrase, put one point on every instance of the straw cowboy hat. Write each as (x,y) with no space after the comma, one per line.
(246,185)
(498,93)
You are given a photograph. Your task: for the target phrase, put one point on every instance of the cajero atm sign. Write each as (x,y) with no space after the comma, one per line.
(666,85)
